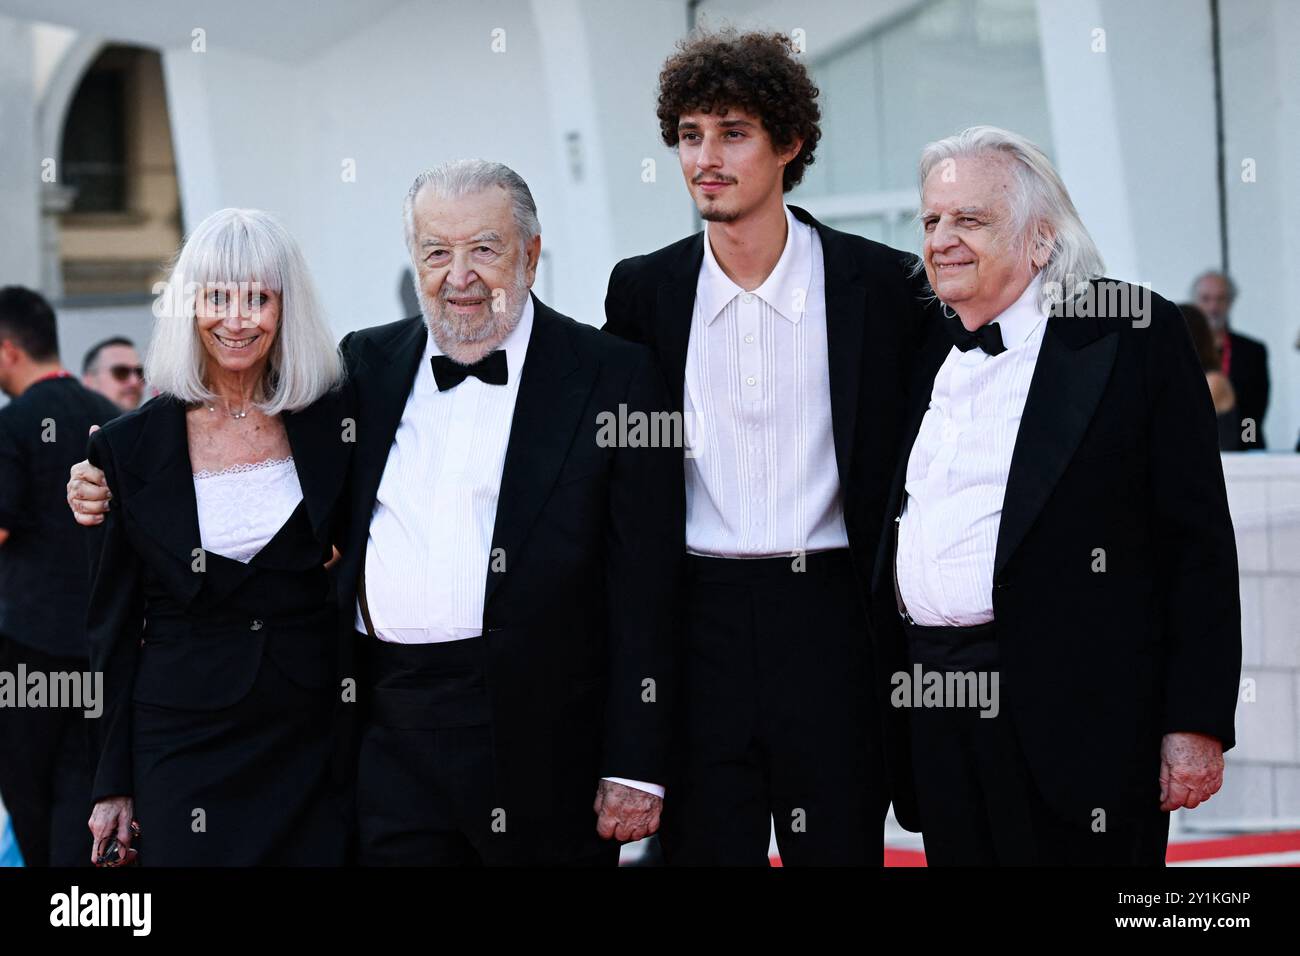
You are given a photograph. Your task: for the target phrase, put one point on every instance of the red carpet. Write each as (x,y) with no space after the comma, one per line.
(1247,849)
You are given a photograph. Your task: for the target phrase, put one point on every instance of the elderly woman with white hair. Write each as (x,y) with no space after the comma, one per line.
(211,615)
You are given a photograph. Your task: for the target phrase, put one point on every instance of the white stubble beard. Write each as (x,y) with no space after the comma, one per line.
(468,346)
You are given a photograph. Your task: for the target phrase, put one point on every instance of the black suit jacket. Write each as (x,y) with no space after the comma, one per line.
(164,632)
(876,319)
(583,613)
(1117,450)
(1248,373)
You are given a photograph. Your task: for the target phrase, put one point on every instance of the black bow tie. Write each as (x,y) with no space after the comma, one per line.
(988,336)
(490,369)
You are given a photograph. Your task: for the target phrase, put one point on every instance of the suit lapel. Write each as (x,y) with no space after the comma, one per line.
(320,457)
(1067,385)
(548,407)
(164,505)
(846,316)
(165,508)
(383,381)
(675,309)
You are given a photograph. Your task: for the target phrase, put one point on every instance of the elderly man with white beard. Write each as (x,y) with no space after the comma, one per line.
(508,574)
(510,579)
(1062,523)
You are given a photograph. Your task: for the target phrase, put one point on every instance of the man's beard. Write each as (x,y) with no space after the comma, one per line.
(720,215)
(710,211)
(449,329)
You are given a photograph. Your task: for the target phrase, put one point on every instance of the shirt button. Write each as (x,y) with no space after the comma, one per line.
(751,381)
(749,340)
(747,298)
(256,625)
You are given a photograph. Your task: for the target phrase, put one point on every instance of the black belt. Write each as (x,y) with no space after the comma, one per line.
(427,686)
(814,564)
(953,648)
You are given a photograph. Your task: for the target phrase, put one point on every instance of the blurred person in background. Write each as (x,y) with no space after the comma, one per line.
(1243,359)
(44,761)
(113,369)
(1222,393)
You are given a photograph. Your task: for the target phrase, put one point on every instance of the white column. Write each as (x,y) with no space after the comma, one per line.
(1086,127)
(20,164)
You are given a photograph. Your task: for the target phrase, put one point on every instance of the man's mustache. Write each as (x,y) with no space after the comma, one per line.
(476,292)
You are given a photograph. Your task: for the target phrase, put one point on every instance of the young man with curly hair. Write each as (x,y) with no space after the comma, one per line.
(786,347)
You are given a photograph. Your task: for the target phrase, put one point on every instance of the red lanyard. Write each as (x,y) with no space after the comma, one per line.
(61,373)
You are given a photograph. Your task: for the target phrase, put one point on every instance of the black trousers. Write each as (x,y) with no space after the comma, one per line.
(978,801)
(45,767)
(777,719)
(425,777)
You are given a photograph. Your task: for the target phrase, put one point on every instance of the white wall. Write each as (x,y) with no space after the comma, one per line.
(1136,140)
(20,170)
(80,327)
(621,133)
(1261,70)
(1134,130)
(416,87)
(1261,786)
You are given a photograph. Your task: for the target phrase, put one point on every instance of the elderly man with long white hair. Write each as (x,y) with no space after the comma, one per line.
(1059,606)
(211,614)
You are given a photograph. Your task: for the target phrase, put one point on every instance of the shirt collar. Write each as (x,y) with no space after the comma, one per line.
(786,285)
(1020,318)
(515,344)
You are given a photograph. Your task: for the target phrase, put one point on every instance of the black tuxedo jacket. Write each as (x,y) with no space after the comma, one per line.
(876,320)
(1248,373)
(1117,450)
(583,613)
(170,632)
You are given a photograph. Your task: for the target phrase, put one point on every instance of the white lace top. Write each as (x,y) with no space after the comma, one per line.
(242,507)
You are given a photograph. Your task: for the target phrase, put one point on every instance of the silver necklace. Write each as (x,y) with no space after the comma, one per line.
(240,414)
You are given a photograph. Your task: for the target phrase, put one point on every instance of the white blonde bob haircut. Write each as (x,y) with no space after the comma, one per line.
(229,248)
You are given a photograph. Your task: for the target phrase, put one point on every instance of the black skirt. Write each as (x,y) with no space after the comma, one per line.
(247,785)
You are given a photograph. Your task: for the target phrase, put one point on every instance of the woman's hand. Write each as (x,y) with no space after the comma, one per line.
(110,818)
